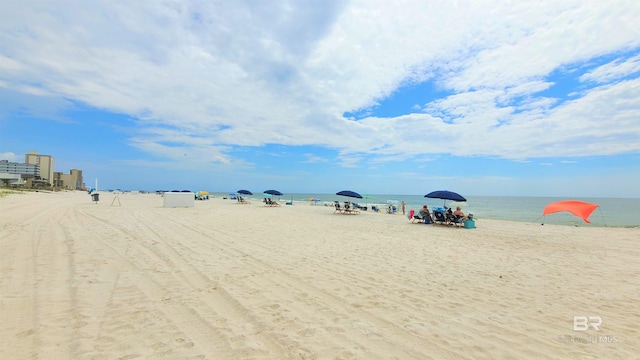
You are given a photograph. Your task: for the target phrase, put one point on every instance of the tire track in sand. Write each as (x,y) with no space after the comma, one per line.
(307,297)
(37,286)
(186,292)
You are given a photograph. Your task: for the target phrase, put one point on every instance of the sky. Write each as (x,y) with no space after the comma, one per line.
(537,98)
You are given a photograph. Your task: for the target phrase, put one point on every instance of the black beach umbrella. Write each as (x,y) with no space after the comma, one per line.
(273,192)
(245,192)
(445,195)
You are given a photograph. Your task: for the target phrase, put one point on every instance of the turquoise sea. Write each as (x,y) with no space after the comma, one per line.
(612,212)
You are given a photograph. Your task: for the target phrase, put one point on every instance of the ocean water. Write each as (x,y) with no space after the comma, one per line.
(612,212)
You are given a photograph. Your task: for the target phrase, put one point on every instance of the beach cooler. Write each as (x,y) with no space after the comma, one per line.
(469,224)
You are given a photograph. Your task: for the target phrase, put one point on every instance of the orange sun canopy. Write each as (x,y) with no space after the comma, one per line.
(578,208)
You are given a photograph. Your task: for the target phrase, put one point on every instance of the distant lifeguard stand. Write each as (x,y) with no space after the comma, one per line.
(116,198)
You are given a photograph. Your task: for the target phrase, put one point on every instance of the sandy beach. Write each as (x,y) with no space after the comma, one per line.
(222,280)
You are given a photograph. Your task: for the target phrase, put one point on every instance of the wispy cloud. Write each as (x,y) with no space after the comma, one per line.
(312,158)
(614,70)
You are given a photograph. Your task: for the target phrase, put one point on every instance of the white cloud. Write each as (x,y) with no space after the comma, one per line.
(285,72)
(613,70)
(312,159)
(11,157)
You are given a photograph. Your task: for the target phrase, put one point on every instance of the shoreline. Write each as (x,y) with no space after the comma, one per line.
(229,280)
(610,219)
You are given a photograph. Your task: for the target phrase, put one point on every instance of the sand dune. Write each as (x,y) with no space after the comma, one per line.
(230,281)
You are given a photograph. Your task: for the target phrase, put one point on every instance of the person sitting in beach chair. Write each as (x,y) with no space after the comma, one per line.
(413,216)
(452,219)
(458,214)
(448,215)
(424,215)
(375,208)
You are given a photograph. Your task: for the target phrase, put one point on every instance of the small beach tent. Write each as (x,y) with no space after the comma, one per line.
(578,208)
(178,199)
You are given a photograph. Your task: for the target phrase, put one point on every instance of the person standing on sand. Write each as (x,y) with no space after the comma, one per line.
(403,208)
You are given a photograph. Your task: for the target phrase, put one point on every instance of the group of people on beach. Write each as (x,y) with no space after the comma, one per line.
(453,216)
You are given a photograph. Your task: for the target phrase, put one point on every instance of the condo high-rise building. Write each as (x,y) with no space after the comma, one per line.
(71,181)
(44,161)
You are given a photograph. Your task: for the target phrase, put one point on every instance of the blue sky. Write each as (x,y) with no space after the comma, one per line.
(483,98)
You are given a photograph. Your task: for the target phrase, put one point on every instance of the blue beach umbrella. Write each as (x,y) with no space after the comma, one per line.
(273,192)
(349,193)
(445,195)
(245,192)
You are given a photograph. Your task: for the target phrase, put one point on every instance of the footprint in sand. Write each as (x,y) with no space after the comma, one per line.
(184,342)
